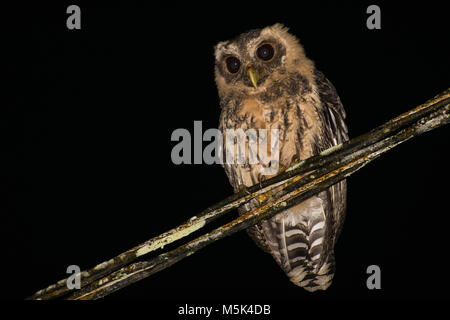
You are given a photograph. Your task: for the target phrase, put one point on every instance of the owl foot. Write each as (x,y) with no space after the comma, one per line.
(243,188)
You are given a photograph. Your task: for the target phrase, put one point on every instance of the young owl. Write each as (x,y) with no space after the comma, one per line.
(265,81)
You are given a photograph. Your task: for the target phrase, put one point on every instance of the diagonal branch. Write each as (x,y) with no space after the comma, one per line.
(330,167)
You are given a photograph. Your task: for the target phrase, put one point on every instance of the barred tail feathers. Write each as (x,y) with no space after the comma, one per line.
(297,238)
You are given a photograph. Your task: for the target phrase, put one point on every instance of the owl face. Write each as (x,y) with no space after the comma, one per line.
(254,60)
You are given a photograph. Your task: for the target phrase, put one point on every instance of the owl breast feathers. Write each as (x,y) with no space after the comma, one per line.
(265,81)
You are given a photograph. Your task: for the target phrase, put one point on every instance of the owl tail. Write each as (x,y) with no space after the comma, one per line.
(311,280)
(297,239)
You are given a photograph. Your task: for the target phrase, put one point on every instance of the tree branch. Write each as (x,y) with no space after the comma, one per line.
(299,182)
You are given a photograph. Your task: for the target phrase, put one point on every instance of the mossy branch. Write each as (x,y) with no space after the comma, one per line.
(299,182)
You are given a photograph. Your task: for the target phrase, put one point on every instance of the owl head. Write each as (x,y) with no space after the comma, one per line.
(254,61)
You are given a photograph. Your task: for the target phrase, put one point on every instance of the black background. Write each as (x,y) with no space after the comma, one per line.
(86,138)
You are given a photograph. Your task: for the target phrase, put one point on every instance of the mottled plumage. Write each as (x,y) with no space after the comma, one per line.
(290,95)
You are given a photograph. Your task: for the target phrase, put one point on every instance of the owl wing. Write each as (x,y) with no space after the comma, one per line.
(332,111)
(334,132)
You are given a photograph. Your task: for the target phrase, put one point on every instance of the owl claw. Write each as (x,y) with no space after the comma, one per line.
(243,188)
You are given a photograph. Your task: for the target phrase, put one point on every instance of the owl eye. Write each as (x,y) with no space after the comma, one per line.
(233,64)
(265,52)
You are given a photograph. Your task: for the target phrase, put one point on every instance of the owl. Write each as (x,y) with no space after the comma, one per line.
(265,81)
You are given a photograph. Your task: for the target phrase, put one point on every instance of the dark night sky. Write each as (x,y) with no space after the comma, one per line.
(87,145)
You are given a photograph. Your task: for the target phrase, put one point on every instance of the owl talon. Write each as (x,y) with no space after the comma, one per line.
(243,188)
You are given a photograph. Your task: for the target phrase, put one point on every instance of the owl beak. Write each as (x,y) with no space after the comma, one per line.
(253,74)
